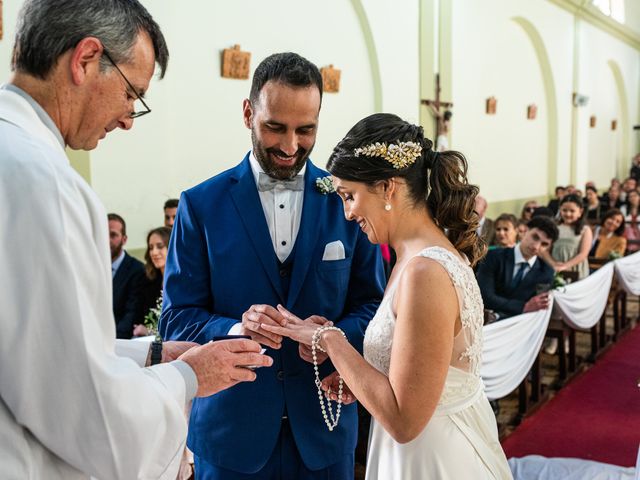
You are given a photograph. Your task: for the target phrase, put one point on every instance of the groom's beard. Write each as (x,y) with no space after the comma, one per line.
(280,172)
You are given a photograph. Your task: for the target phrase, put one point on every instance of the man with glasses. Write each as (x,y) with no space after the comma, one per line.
(69,407)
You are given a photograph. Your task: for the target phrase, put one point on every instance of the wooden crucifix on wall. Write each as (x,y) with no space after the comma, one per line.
(1,32)
(442,117)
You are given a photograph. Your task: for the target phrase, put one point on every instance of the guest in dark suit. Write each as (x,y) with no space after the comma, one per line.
(486,228)
(554,203)
(170,210)
(508,277)
(127,275)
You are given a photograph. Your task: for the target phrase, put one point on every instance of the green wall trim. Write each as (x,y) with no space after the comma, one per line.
(585,10)
(550,98)
(575,118)
(426,49)
(624,157)
(430,40)
(376,77)
(80,160)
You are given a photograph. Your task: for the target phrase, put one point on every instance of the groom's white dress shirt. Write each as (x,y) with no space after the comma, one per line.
(70,407)
(282,211)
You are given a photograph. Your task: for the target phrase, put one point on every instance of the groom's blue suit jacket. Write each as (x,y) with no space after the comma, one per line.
(221,261)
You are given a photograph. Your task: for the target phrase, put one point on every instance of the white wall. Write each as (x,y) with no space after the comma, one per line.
(492,56)
(196,130)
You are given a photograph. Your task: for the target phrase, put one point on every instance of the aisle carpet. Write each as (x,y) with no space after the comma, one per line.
(595,417)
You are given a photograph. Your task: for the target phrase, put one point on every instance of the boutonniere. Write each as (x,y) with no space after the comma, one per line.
(324,185)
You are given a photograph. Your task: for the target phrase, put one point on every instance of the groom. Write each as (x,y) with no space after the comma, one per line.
(259,235)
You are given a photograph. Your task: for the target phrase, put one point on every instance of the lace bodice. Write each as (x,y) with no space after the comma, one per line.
(467,346)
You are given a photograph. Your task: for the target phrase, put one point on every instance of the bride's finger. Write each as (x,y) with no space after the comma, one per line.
(284,331)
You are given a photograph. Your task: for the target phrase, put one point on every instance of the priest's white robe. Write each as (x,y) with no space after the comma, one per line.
(70,408)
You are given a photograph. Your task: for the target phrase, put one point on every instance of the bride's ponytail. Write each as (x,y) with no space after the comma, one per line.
(451,202)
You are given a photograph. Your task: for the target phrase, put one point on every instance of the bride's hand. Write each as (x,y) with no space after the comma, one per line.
(330,386)
(295,328)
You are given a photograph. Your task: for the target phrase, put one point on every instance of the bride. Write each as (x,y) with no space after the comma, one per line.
(420,375)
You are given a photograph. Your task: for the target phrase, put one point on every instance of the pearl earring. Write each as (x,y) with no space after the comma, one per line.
(387,207)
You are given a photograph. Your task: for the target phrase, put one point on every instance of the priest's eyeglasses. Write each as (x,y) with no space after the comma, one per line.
(134,114)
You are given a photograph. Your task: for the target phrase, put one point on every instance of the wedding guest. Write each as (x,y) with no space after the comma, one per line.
(155,258)
(555,202)
(521,228)
(528,209)
(542,212)
(420,375)
(128,275)
(170,209)
(631,212)
(629,185)
(612,199)
(71,407)
(635,168)
(486,229)
(609,237)
(592,205)
(632,208)
(506,230)
(509,277)
(571,250)
(265,232)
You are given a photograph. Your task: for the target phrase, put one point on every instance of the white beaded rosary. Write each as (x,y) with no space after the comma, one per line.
(315,346)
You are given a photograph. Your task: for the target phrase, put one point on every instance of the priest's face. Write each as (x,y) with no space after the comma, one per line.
(117,239)
(283,122)
(104,100)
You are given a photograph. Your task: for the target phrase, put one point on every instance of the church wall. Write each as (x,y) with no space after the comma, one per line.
(605,153)
(195,129)
(499,50)
(519,51)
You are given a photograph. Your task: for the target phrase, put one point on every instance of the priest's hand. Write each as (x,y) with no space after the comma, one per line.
(171,350)
(220,365)
(255,317)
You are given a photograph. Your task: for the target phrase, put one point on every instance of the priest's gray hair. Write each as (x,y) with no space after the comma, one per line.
(46,29)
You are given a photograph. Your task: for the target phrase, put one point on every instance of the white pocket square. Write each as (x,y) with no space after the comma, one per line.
(333,251)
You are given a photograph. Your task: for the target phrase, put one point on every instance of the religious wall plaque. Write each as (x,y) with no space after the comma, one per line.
(235,63)
(614,124)
(492,104)
(330,79)
(592,121)
(532,111)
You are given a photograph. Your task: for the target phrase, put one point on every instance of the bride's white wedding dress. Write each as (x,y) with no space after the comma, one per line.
(461,439)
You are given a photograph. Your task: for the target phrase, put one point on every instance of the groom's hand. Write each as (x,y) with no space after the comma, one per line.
(262,314)
(305,350)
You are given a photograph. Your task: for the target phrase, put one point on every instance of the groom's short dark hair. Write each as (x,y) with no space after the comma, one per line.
(288,68)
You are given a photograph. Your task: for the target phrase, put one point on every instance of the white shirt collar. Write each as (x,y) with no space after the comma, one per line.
(256,169)
(519,258)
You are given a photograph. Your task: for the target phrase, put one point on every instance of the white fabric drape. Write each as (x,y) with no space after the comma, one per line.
(509,350)
(628,273)
(535,467)
(581,303)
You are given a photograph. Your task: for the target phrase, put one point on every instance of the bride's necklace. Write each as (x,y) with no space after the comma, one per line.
(315,346)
